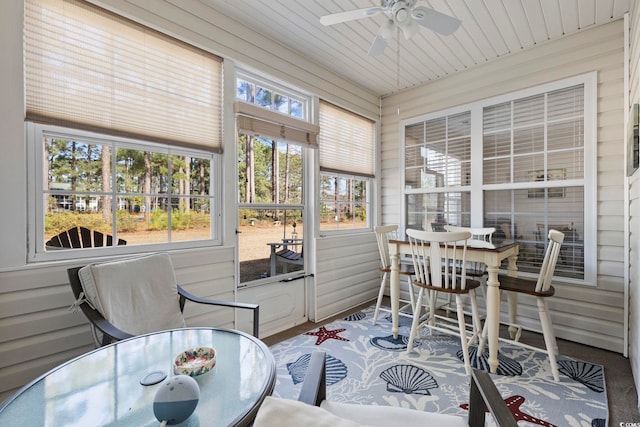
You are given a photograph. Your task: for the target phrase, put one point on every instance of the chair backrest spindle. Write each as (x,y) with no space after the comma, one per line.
(440,257)
(384,233)
(550,259)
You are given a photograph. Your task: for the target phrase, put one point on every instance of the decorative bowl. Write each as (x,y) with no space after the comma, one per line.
(195,361)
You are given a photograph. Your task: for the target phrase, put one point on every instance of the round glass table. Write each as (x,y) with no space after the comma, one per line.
(103,387)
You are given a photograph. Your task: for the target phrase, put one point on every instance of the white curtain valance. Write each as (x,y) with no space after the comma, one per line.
(260,122)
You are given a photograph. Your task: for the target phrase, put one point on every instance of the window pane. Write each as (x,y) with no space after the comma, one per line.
(497,144)
(528,140)
(265,233)
(344,203)
(269,171)
(245,91)
(536,211)
(75,165)
(433,211)
(79,196)
(281,103)
(264,97)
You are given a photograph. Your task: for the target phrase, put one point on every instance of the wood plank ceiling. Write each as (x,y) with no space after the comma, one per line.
(490,29)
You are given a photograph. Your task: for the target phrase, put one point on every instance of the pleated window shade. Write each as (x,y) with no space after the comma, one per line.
(263,123)
(90,69)
(347,142)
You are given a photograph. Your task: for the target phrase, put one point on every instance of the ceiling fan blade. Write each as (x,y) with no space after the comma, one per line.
(435,21)
(351,15)
(378,46)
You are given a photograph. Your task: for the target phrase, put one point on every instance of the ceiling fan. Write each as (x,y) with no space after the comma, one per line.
(402,14)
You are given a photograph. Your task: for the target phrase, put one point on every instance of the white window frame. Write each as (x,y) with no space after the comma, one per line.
(36,182)
(369,205)
(274,87)
(589,181)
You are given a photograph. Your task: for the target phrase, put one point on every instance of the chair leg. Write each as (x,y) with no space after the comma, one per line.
(549,337)
(412,299)
(415,323)
(380,295)
(475,315)
(512,301)
(463,334)
(483,338)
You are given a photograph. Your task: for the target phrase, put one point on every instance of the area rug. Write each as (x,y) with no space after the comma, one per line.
(366,365)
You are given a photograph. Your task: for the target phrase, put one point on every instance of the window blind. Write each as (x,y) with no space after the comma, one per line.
(532,139)
(261,122)
(88,68)
(347,142)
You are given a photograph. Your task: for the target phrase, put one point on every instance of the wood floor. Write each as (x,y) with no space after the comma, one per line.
(621,390)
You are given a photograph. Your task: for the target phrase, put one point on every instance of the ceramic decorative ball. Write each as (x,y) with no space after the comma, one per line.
(195,361)
(176,399)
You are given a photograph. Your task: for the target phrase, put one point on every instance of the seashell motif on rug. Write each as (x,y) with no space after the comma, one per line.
(372,367)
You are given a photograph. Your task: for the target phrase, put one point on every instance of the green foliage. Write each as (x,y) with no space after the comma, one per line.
(126,221)
(179,220)
(55,223)
(159,220)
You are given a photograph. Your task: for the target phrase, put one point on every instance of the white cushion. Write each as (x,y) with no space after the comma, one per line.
(385,416)
(277,412)
(137,295)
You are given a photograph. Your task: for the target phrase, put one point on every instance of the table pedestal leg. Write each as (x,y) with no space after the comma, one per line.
(394,284)
(493,316)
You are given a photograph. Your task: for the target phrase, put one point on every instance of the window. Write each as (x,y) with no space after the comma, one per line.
(131,192)
(124,124)
(272,140)
(438,172)
(344,202)
(347,169)
(252,89)
(525,170)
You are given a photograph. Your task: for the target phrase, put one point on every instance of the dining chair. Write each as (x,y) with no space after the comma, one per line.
(384,233)
(135,296)
(540,288)
(479,234)
(478,270)
(440,264)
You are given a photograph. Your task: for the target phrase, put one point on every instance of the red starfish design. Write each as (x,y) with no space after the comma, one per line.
(323,335)
(514,403)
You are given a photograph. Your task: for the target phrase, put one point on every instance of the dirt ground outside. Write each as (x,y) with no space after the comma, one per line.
(254,250)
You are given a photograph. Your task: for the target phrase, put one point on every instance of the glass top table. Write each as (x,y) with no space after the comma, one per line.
(103,387)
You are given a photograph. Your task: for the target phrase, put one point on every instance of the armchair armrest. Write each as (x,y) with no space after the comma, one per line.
(484,395)
(184,295)
(314,387)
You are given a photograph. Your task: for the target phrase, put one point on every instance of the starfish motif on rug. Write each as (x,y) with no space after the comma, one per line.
(323,335)
(514,403)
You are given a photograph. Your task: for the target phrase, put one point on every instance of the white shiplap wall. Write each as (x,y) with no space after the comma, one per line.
(634,203)
(37,332)
(592,316)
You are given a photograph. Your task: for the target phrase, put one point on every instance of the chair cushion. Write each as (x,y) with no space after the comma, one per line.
(137,295)
(279,412)
(385,416)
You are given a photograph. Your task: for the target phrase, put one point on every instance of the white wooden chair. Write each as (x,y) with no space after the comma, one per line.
(541,289)
(439,260)
(384,233)
(478,270)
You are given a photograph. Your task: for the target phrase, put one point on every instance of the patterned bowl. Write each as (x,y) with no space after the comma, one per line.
(194,361)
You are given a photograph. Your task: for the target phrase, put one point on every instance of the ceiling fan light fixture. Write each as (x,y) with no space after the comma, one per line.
(386,31)
(409,29)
